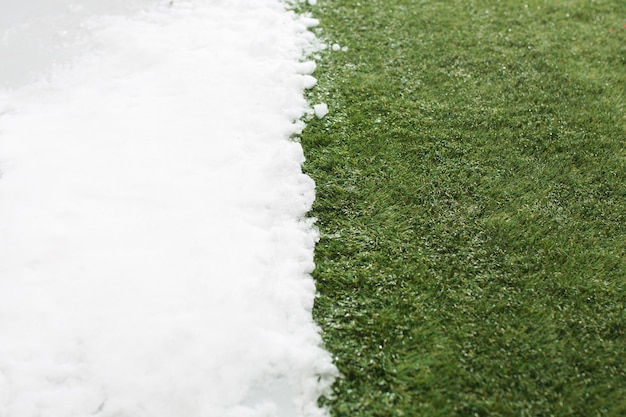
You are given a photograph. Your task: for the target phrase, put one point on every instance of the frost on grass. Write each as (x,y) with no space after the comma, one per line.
(154,256)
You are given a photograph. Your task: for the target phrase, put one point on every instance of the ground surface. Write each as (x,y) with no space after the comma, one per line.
(471,189)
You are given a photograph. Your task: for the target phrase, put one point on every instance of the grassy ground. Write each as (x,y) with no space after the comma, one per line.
(471,198)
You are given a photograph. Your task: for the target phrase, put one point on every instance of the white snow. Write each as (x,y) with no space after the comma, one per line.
(155,257)
(320,110)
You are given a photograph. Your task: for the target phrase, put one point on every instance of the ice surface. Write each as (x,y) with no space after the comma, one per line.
(39,34)
(154,252)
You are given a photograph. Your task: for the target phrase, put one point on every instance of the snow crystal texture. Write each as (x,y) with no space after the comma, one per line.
(154,254)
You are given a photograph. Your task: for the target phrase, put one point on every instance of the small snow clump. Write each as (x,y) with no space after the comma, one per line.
(320,110)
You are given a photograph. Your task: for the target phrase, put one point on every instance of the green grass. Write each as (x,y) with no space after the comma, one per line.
(471,199)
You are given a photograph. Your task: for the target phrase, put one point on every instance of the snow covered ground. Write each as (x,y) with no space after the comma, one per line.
(154,256)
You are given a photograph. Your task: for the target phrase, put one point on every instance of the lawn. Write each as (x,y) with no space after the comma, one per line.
(471,201)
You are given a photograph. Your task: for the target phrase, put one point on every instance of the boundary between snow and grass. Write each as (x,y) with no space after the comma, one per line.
(155,253)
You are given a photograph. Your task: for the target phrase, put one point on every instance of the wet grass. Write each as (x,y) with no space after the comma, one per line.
(471,199)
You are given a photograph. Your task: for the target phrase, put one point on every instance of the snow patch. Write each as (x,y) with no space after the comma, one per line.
(154,249)
(320,110)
